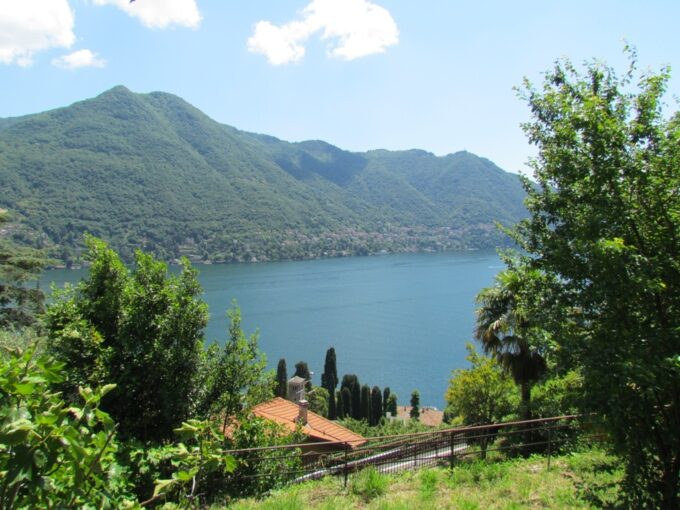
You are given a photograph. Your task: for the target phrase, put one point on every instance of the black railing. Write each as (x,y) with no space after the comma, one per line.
(392,454)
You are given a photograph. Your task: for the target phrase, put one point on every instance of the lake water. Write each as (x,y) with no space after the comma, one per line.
(396,320)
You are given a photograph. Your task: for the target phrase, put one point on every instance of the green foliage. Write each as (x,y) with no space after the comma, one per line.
(415,405)
(54,455)
(234,377)
(200,465)
(214,188)
(260,471)
(385,427)
(19,303)
(139,329)
(318,401)
(369,483)
(479,395)
(605,224)
(508,330)
(391,406)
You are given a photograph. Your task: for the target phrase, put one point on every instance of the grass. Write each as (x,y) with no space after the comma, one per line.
(587,479)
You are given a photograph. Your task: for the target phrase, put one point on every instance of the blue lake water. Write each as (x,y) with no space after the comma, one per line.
(396,320)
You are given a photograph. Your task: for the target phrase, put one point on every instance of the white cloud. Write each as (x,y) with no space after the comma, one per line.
(159,13)
(30,26)
(78,59)
(357,28)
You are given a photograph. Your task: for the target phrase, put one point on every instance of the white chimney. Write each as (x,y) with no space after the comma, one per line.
(302,414)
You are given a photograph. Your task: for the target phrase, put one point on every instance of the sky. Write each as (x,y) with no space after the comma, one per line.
(436,75)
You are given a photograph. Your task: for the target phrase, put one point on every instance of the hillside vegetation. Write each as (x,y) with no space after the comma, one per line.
(580,480)
(152,171)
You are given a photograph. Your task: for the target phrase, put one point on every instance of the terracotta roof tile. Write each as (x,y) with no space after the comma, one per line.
(285,412)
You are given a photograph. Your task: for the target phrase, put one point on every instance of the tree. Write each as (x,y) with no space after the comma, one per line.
(302,370)
(139,329)
(318,401)
(385,399)
(376,406)
(479,395)
(237,379)
(605,222)
(346,399)
(505,329)
(329,380)
(415,405)
(365,403)
(392,404)
(19,303)
(281,379)
(351,382)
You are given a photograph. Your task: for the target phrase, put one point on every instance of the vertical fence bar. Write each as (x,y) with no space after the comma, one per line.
(549,443)
(452,441)
(346,467)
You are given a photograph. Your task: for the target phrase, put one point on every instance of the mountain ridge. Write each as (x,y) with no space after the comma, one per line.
(152,171)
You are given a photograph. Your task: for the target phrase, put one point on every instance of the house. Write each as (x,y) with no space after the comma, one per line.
(322,435)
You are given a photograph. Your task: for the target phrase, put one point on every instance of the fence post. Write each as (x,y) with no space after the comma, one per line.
(346,467)
(453,449)
(549,444)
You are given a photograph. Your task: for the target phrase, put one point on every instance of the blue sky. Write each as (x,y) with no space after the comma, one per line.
(395,74)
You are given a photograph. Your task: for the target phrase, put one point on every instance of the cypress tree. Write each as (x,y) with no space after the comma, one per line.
(366,403)
(302,370)
(385,399)
(346,403)
(356,401)
(281,379)
(340,409)
(391,406)
(415,404)
(329,380)
(376,406)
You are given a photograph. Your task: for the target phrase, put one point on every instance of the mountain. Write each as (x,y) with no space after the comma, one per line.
(152,171)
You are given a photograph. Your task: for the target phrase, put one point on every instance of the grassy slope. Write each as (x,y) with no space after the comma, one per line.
(580,480)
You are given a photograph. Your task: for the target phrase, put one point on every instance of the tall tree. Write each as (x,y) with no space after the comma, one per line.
(376,406)
(302,370)
(20,303)
(366,403)
(140,329)
(605,222)
(505,330)
(329,380)
(281,379)
(415,405)
(385,398)
(238,379)
(392,404)
(479,395)
(346,402)
(351,382)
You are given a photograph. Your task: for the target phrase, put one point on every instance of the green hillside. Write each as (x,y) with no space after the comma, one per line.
(152,171)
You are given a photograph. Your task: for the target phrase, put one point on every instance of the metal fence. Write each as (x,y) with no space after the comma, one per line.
(269,467)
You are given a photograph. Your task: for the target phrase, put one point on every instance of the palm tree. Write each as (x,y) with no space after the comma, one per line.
(504,329)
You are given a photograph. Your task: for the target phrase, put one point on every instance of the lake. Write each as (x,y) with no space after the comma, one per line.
(395,320)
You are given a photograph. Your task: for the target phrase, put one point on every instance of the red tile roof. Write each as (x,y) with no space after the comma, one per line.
(285,412)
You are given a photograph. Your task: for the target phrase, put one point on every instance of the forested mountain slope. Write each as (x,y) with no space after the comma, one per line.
(152,171)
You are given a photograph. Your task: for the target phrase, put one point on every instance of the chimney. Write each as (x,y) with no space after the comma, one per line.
(302,414)
(296,389)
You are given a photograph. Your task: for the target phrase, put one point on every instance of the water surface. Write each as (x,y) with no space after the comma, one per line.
(395,320)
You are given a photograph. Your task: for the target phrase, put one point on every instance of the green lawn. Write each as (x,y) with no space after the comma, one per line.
(580,480)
